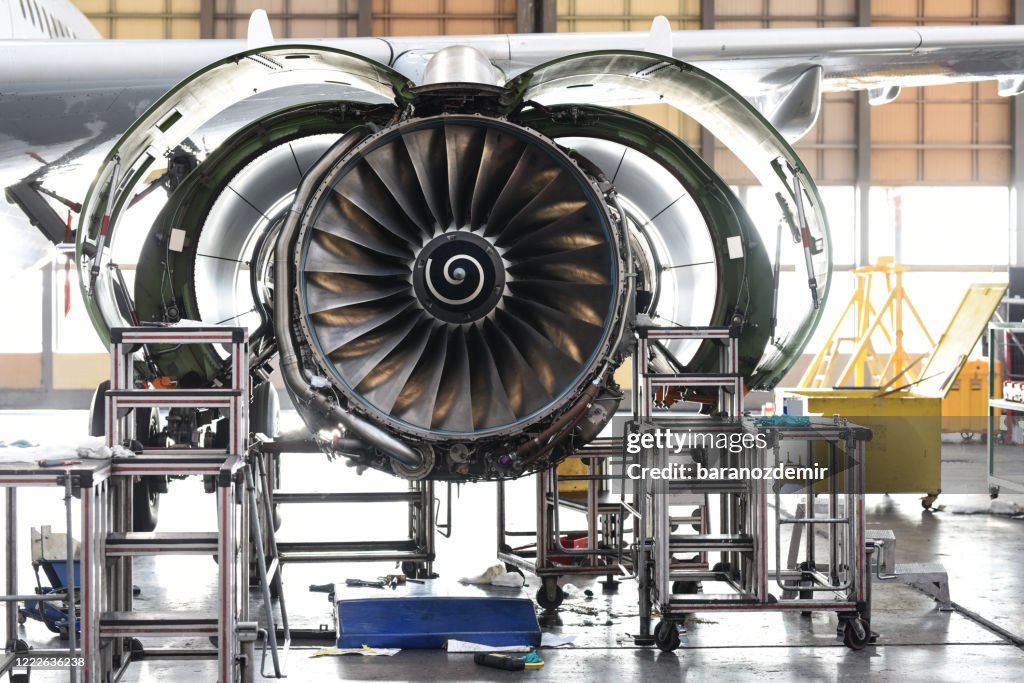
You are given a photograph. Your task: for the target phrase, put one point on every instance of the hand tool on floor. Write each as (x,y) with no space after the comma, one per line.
(499,661)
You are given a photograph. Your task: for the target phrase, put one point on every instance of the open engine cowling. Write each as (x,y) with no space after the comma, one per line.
(450,273)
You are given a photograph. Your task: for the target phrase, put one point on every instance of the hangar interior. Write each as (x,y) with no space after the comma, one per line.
(922,191)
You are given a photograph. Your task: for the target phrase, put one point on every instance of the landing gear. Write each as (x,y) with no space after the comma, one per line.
(145,505)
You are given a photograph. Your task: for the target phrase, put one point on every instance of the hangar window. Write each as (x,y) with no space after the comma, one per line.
(73,330)
(941,226)
(27,310)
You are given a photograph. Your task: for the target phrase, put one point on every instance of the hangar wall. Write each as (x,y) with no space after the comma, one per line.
(958,137)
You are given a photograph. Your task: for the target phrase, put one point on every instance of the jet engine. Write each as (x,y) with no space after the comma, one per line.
(448,274)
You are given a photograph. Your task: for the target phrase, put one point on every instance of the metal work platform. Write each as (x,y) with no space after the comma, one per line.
(71,478)
(739,520)
(112,632)
(601,549)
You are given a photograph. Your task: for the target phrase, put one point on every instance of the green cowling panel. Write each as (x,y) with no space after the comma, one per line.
(185,108)
(719,206)
(619,78)
(190,204)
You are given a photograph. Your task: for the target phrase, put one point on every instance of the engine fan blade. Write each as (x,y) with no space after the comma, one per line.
(562,235)
(522,386)
(364,188)
(329,254)
(357,358)
(552,367)
(490,403)
(463,148)
(428,153)
(393,166)
(325,291)
(385,382)
(587,266)
(415,403)
(341,218)
(534,172)
(339,326)
(453,409)
(587,303)
(498,159)
(572,336)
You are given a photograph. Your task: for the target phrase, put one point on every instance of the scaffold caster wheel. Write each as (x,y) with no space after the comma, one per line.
(550,595)
(685,587)
(666,636)
(414,570)
(856,634)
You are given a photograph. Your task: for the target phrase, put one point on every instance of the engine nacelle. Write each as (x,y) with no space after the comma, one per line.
(450,273)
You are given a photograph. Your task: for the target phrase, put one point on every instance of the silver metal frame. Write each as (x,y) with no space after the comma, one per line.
(1016,332)
(606,553)
(742,535)
(107,549)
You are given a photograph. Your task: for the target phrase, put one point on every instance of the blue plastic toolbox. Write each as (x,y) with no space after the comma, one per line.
(428,621)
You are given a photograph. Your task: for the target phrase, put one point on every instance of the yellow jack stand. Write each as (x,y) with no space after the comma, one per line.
(869,321)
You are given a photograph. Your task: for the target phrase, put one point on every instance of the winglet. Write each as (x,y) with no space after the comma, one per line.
(659,41)
(259,34)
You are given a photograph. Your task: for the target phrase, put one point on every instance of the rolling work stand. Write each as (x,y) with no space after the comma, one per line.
(684,507)
(415,553)
(744,530)
(599,550)
(111,629)
(71,479)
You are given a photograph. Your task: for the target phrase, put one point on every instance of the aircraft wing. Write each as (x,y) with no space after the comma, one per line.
(63,103)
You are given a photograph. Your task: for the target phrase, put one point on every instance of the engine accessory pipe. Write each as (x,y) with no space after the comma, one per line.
(541,443)
(290,367)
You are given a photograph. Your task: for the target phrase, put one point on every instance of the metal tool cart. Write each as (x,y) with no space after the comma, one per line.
(601,549)
(69,478)
(1005,408)
(749,533)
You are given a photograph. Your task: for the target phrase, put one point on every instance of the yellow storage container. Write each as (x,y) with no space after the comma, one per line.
(905,452)
(572,467)
(965,407)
